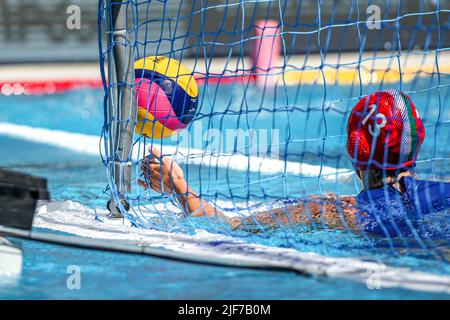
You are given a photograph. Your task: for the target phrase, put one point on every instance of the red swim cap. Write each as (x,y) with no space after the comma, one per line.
(384,131)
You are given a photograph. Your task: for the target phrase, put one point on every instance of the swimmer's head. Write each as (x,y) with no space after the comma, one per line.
(384,132)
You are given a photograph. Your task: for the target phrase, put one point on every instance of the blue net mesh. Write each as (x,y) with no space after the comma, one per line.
(267,144)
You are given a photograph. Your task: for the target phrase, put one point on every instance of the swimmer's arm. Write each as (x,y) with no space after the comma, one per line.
(329,210)
(191,202)
(163,175)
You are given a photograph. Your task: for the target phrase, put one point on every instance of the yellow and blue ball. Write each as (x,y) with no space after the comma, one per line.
(167,96)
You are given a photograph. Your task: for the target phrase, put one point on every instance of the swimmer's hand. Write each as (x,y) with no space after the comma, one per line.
(162,174)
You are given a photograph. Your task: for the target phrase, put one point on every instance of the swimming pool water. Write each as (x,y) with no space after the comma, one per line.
(122,276)
(81,177)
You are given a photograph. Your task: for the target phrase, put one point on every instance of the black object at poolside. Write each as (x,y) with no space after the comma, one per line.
(19,193)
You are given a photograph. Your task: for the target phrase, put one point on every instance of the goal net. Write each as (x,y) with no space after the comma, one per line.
(277,82)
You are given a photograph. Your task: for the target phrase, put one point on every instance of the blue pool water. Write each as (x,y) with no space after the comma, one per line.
(81,177)
(122,276)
